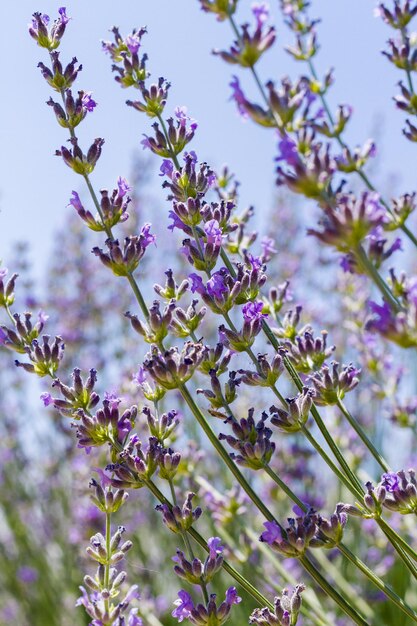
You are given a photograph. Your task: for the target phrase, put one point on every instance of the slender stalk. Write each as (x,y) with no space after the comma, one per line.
(353,479)
(187,543)
(329,589)
(353,558)
(108,560)
(361,433)
(378,582)
(407,548)
(372,272)
(360,172)
(224,454)
(392,538)
(309,597)
(333,571)
(241,580)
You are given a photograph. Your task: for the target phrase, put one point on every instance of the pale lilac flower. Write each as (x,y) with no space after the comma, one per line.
(268,248)
(113,399)
(3,272)
(146,143)
(42,317)
(134,619)
(46,397)
(139,378)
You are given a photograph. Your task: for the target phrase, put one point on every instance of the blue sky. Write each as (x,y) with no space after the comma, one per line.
(35,185)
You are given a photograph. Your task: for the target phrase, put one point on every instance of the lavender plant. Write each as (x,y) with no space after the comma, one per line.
(216,331)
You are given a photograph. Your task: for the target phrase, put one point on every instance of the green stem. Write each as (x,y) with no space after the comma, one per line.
(351,557)
(384,526)
(224,454)
(333,571)
(260,505)
(241,580)
(170,147)
(361,433)
(187,544)
(360,172)
(310,599)
(330,590)
(329,462)
(353,479)
(108,560)
(378,582)
(372,272)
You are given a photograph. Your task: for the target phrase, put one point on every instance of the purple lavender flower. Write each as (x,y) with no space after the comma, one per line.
(133,42)
(213,232)
(239,97)
(113,399)
(42,18)
(140,376)
(215,285)
(197,284)
(184,605)
(391,481)
(271,534)
(146,236)
(63,15)
(261,12)
(167,168)
(3,337)
(123,186)
(232,597)
(215,547)
(27,574)
(87,102)
(253,311)
(288,151)
(383,320)
(76,202)
(180,113)
(255,261)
